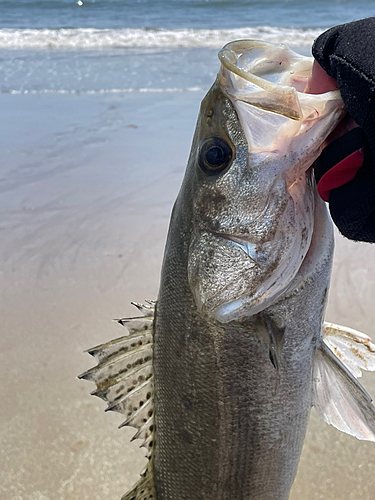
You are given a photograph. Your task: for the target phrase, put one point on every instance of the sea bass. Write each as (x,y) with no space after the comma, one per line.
(220,374)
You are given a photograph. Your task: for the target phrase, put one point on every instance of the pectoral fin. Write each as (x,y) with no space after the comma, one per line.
(339,398)
(353,348)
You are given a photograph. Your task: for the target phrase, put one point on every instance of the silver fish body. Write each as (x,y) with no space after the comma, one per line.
(232,399)
(219,376)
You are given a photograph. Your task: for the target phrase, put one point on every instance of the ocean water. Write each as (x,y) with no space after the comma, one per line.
(145,45)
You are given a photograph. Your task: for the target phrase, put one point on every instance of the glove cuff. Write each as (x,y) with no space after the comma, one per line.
(339,162)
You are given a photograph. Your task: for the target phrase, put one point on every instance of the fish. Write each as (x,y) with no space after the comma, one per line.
(220,373)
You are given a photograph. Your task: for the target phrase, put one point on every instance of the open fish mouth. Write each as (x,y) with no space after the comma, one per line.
(253,61)
(272,78)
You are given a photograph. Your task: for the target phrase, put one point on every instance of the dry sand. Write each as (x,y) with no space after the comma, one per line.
(85,206)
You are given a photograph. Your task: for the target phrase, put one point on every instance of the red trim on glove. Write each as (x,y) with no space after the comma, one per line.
(342,173)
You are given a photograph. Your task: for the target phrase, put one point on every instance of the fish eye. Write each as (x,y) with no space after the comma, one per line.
(214,155)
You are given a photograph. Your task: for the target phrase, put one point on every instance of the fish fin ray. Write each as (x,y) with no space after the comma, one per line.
(119,366)
(339,398)
(145,431)
(147,309)
(139,329)
(144,489)
(124,374)
(353,348)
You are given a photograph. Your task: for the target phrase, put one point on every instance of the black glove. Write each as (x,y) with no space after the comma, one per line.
(347,54)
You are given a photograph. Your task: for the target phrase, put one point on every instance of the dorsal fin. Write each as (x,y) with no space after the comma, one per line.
(143,490)
(124,379)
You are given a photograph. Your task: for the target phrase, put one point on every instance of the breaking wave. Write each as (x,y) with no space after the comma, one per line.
(101,91)
(91,38)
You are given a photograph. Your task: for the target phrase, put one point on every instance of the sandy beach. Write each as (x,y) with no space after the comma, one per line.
(83,229)
(87,187)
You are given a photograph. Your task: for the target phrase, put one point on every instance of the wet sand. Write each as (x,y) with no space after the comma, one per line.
(87,186)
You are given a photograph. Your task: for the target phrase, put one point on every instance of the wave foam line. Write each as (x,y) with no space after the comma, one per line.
(90,38)
(100,91)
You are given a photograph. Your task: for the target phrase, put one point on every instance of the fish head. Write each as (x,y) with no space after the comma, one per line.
(249,178)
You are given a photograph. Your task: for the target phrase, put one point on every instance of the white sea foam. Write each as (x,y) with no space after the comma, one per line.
(90,38)
(101,91)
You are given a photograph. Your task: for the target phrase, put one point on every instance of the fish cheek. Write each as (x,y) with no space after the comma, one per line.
(218,271)
(209,207)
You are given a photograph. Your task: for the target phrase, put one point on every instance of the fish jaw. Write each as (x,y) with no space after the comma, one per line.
(253,223)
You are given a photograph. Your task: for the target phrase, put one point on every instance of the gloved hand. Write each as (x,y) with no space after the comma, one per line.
(345,169)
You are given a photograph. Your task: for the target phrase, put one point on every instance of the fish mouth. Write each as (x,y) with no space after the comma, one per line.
(266,83)
(265,67)
(277,98)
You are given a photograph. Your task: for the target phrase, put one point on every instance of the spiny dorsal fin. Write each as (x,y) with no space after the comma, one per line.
(124,379)
(144,488)
(147,309)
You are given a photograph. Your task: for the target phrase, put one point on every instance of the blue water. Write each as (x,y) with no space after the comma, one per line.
(145,45)
(180,13)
